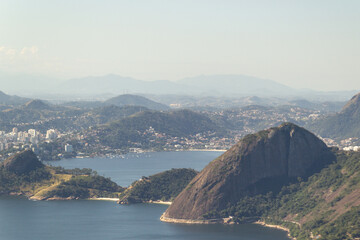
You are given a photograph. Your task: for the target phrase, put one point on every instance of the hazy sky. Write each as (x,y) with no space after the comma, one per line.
(304,44)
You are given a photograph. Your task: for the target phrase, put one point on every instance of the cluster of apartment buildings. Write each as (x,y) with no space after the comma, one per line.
(23,139)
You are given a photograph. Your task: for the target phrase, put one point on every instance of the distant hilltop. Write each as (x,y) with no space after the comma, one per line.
(135,100)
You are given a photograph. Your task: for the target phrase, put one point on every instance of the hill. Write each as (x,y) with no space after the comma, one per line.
(22,163)
(83,104)
(37,105)
(43,116)
(164,186)
(24,174)
(106,114)
(284,176)
(11,100)
(148,129)
(39,115)
(344,124)
(276,155)
(135,100)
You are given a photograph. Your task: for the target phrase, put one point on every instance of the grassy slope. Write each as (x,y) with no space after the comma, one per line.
(50,186)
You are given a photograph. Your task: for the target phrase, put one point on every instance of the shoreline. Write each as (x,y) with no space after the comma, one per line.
(144,151)
(159,202)
(189,221)
(262,223)
(202,150)
(103,199)
(39,198)
(224,221)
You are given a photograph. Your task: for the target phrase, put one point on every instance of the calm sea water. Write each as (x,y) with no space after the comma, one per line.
(90,220)
(133,166)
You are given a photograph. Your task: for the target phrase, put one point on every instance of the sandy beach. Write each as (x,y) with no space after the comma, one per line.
(104,199)
(275,226)
(160,202)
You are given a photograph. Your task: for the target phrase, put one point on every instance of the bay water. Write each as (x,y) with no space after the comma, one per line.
(92,220)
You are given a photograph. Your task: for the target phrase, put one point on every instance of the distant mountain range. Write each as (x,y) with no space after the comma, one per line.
(6,99)
(204,85)
(211,85)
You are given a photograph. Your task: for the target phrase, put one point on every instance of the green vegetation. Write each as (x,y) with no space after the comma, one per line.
(135,100)
(133,131)
(12,182)
(164,186)
(345,227)
(24,174)
(85,186)
(326,204)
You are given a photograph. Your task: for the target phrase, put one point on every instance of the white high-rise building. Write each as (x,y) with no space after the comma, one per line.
(51,134)
(68,148)
(15,130)
(32,132)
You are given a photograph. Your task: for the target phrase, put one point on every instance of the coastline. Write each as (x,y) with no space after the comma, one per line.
(189,221)
(276,227)
(223,221)
(39,198)
(159,202)
(103,199)
(142,151)
(203,150)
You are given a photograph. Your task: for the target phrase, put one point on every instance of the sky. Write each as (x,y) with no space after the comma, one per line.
(311,44)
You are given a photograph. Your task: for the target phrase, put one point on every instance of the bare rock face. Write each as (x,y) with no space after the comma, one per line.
(266,158)
(22,163)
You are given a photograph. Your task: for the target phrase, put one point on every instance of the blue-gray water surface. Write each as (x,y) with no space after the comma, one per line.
(94,220)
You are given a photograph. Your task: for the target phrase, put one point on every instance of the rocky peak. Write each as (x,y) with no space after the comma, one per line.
(259,161)
(22,163)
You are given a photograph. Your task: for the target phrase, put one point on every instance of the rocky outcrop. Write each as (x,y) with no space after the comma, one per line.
(259,162)
(22,163)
